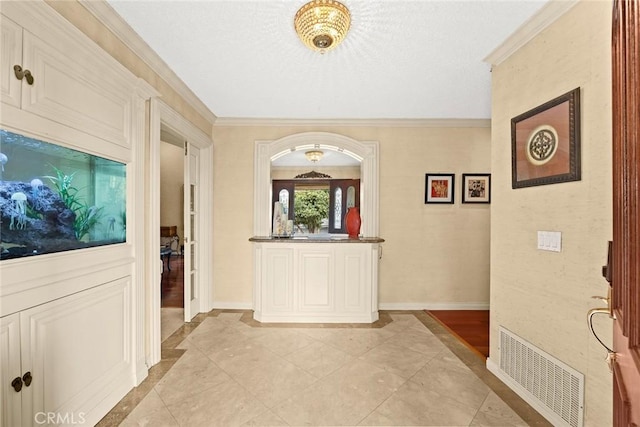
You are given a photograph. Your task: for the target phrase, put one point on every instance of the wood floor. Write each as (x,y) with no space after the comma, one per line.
(470,326)
(173,283)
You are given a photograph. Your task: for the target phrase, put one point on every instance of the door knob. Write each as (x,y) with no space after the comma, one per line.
(606,300)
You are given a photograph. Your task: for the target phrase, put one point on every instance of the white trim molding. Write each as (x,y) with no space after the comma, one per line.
(434,306)
(144,92)
(401,123)
(230,305)
(547,15)
(119,27)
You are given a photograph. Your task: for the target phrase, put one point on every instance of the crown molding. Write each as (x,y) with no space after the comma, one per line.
(119,27)
(408,123)
(548,14)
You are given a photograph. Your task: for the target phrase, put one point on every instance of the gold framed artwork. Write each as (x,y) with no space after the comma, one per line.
(439,188)
(476,188)
(545,143)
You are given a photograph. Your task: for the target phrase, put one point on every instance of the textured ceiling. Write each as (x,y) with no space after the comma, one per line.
(401,59)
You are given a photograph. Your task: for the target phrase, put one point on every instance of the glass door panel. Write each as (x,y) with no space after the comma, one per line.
(191,203)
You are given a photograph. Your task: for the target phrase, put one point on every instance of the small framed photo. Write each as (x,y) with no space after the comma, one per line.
(439,188)
(476,188)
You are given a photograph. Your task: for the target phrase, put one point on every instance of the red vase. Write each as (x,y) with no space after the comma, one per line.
(352,221)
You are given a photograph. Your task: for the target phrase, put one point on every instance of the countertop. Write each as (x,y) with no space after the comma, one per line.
(314,239)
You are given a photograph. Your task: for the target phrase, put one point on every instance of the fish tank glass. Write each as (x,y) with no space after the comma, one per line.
(55,199)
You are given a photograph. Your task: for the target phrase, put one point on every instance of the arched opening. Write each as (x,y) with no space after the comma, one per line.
(366,152)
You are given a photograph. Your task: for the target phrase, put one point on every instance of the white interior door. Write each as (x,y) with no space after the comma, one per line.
(191,230)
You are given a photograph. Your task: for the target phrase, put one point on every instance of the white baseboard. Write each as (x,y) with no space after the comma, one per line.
(142,371)
(230,305)
(433,306)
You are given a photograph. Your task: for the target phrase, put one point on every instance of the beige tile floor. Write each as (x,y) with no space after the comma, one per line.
(227,370)
(171,318)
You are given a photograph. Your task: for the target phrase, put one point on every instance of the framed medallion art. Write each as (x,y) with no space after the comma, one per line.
(476,188)
(545,143)
(439,188)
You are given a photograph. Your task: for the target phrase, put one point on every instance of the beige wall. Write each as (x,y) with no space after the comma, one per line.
(544,296)
(433,254)
(171,187)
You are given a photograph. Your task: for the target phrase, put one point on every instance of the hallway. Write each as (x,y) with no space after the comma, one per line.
(226,369)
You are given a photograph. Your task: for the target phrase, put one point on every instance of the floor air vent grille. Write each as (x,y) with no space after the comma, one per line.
(555,385)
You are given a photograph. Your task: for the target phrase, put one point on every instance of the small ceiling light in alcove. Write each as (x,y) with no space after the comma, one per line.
(322,24)
(314,155)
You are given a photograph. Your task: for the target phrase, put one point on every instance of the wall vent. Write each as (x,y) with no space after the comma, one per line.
(555,387)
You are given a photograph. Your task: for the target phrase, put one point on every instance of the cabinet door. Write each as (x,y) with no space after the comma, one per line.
(78,350)
(10,55)
(353,278)
(316,285)
(72,88)
(278,292)
(10,400)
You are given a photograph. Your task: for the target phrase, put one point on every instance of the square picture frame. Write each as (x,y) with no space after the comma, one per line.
(476,188)
(439,188)
(545,143)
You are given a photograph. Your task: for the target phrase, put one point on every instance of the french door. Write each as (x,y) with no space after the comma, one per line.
(191,230)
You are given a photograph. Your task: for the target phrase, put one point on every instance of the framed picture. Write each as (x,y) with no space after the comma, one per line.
(545,143)
(476,188)
(439,188)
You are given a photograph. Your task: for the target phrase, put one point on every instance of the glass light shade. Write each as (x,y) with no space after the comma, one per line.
(322,24)
(314,155)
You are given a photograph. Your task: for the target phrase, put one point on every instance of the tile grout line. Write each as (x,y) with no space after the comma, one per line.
(136,395)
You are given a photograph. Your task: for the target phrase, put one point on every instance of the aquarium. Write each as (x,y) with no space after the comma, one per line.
(55,199)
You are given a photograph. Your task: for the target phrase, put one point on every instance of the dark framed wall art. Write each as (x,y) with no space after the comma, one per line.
(545,143)
(476,188)
(439,188)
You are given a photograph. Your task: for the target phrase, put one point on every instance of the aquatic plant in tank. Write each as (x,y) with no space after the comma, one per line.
(54,198)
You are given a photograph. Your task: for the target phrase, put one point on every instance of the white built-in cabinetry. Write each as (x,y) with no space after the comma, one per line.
(73,320)
(326,282)
(74,350)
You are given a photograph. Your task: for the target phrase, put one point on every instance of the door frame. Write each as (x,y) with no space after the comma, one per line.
(161,114)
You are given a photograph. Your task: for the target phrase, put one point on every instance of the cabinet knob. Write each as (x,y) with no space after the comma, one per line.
(20,74)
(27,378)
(17,384)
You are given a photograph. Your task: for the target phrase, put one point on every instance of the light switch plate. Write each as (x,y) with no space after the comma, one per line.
(550,241)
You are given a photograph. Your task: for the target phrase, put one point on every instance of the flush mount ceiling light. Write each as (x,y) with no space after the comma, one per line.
(314,155)
(322,24)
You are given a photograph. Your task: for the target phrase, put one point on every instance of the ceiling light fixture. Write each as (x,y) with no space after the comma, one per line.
(314,155)
(322,24)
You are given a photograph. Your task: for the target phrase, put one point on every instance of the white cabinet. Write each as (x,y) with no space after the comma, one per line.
(10,371)
(10,55)
(316,282)
(73,319)
(71,86)
(73,348)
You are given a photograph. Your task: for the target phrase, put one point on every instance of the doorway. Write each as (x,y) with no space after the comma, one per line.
(171,232)
(197,220)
